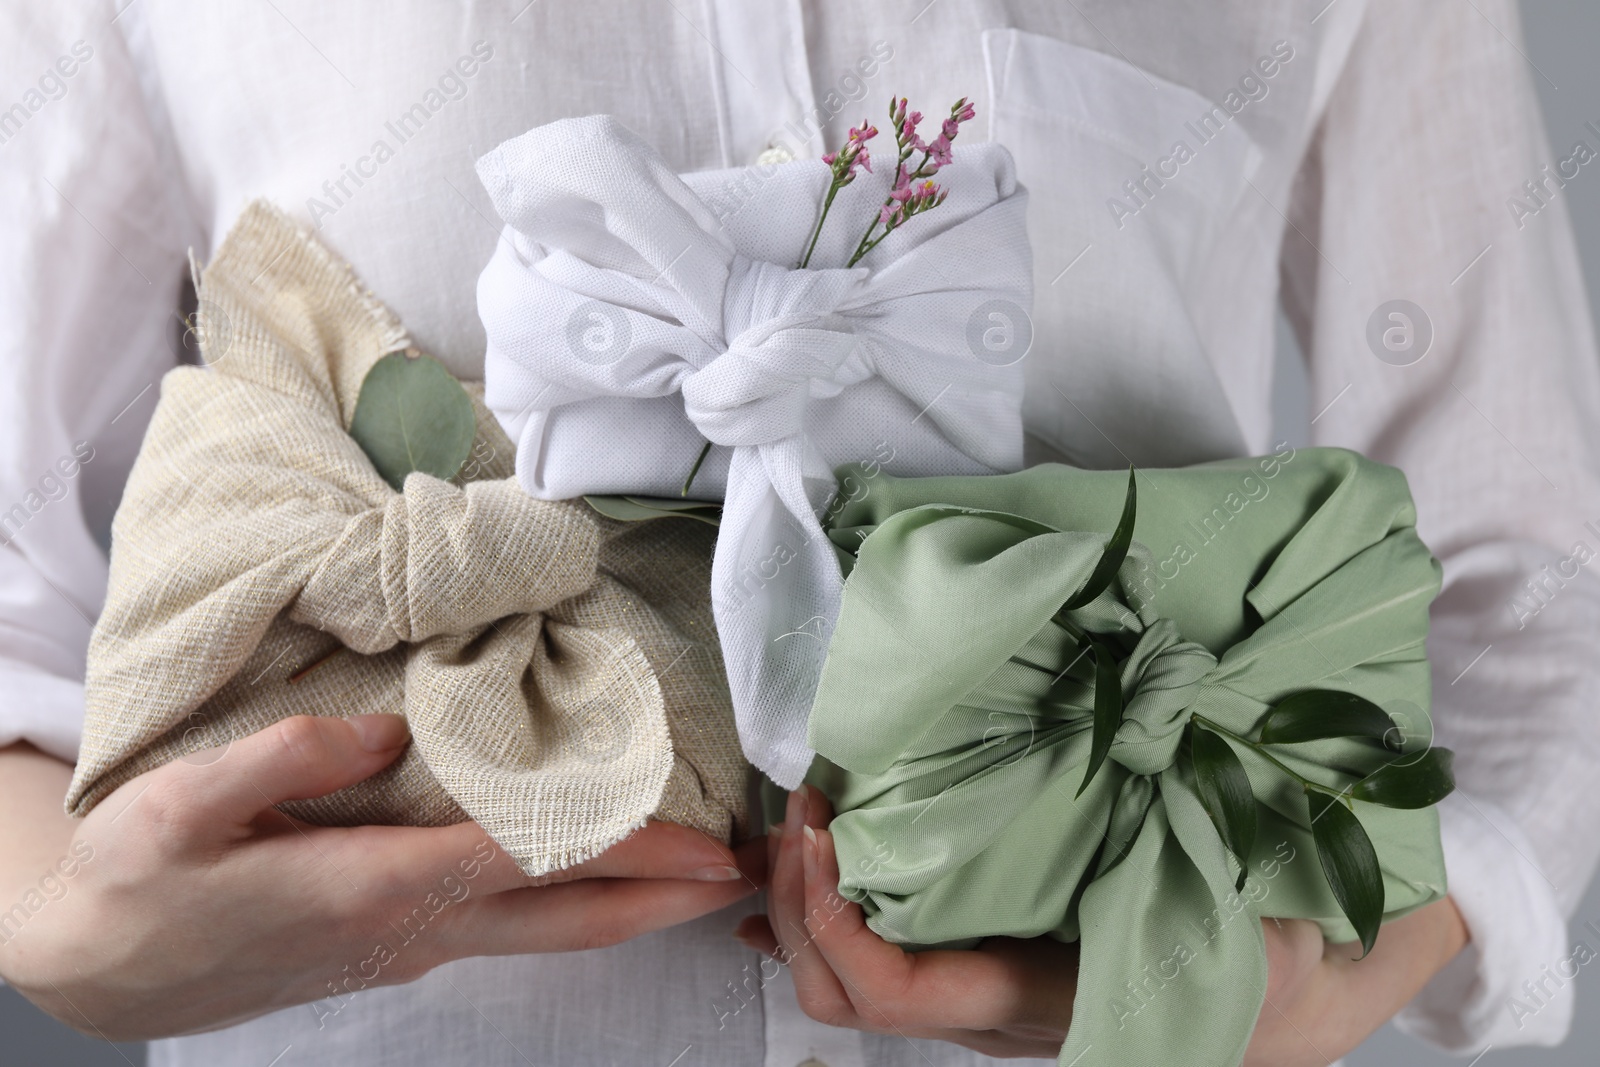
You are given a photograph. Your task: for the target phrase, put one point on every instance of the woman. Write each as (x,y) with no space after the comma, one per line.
(1362,156)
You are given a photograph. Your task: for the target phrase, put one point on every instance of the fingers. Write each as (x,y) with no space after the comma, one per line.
(1340,1000)
(1009,994)
(1294,950)
(410,861)
(817,988)
(294,759)
(755,932)
(774,844)
(876,975)
(668,850)
(1011,999)
(585,914)
(657,850)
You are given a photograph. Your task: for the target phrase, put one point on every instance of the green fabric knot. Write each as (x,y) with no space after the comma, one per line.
(1160,680)
(953,721)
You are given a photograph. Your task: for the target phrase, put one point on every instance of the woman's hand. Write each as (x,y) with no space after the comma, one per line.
(1007,998)
(193,903)
(1014,998)
(1322,1001)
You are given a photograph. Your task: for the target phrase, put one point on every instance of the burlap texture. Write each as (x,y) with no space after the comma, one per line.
(560,672)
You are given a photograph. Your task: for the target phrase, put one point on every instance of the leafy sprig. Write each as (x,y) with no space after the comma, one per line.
(914,191)
(1344,851)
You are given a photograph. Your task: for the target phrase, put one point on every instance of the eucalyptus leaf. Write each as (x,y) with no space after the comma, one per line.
(1225,793)
(1349,863)
(641,508)
(412,415)
(1107,711)
(1318,714)
(1418,781)
(1116,551)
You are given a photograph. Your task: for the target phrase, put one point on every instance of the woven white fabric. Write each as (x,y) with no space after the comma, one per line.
(633,315)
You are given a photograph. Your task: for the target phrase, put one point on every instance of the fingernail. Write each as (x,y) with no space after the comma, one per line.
(753,945)
(808,853)
(797,811)
(716,874)
(775,830)
(379,733)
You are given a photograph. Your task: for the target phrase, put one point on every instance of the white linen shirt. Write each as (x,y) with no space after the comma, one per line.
(1359,153)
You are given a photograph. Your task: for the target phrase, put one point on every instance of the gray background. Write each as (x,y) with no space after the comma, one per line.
(1562,36)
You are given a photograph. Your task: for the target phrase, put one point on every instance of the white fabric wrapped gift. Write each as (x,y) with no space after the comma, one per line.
(633,314)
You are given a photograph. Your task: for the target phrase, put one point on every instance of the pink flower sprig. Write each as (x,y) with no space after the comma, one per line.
(908,198)
(914,192)
(854,154)
(844,164)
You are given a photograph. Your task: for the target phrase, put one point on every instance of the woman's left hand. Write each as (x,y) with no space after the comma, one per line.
(1012,997)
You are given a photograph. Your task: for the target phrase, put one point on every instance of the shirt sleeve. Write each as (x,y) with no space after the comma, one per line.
(1431,274)
(90,269)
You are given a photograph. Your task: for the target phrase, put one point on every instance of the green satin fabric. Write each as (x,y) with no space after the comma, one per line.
(954,719)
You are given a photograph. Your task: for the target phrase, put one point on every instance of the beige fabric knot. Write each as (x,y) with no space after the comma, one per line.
(560,672)
(436,560)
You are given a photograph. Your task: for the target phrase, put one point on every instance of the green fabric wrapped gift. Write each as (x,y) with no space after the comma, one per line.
(1255,655)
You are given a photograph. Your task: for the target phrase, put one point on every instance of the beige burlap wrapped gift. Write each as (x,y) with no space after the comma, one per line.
(560,671)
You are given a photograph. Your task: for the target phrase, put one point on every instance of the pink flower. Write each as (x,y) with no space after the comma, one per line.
(902,184)
(853,156)
(913,192)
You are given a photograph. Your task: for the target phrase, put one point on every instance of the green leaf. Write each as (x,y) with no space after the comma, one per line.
(1225,793)
(1317,714)
(1116,551)
(1107,711)
(640,508)
(412,415)
(1409,782)
(1349,863)
(705,450)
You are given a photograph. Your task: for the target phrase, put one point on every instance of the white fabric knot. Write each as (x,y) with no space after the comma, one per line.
(786,346)
(633,314)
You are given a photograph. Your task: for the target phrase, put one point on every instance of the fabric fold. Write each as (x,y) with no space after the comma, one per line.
(955,714)
(633,315)
(556,668)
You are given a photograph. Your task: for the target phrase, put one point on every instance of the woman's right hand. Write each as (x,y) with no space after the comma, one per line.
(200,905)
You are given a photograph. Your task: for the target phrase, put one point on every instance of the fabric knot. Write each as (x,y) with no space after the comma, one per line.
(711,334)
(786,344)
(1163,673)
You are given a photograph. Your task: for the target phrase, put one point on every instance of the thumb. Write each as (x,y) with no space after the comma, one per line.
(294,759)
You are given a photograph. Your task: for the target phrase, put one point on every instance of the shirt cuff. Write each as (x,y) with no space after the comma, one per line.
(42,709)
(1513,983)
